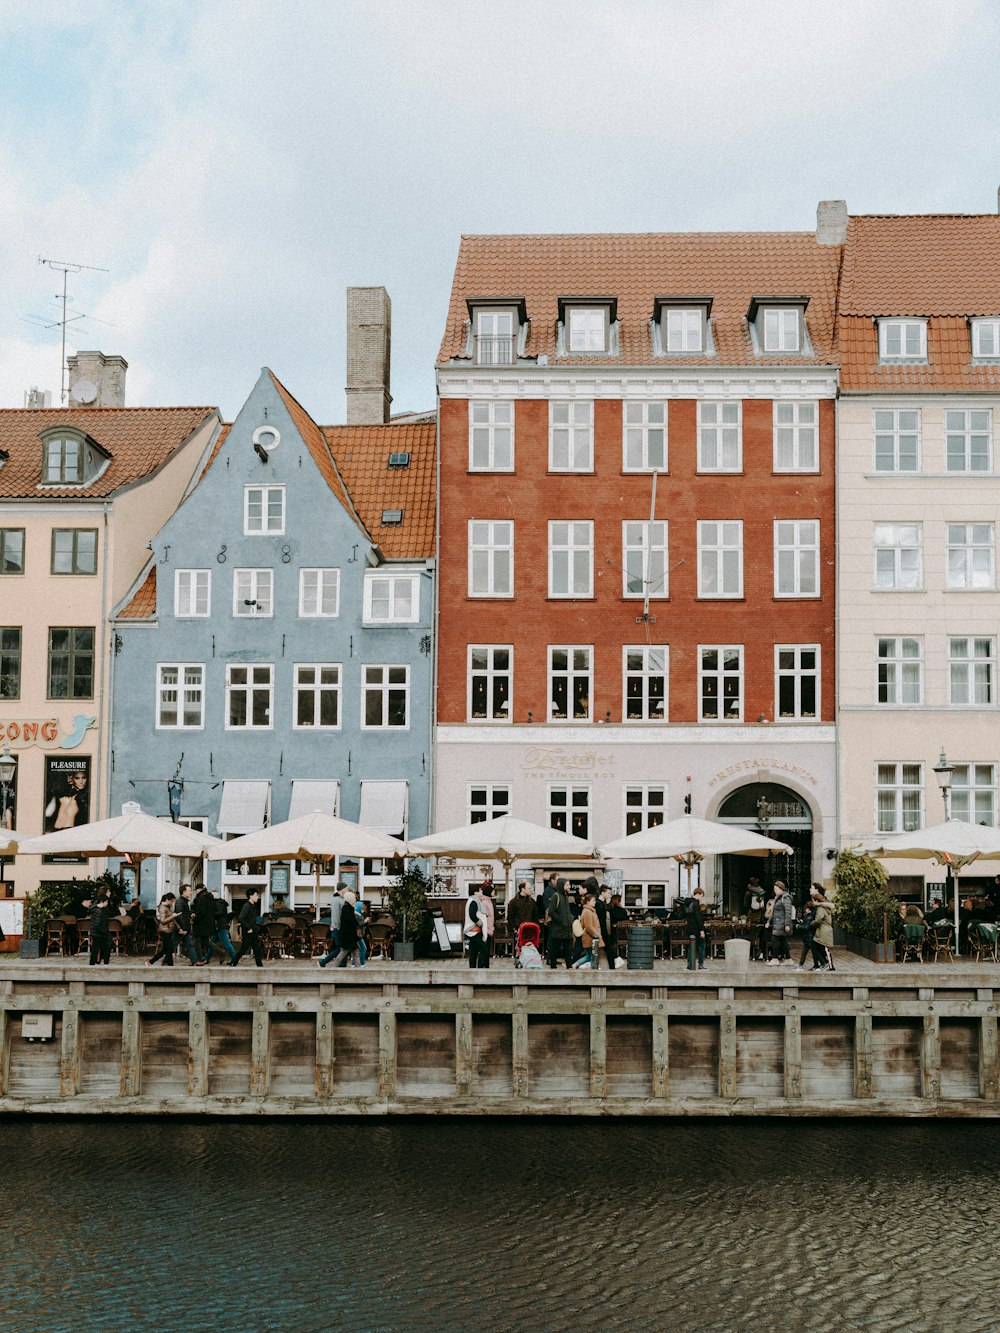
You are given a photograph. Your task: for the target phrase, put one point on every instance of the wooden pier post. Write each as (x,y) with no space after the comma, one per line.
(324,1053)
(69,1056)
(598,1053)
(260,1051)
(519,1053)
(198,1053)
(5,1024)
(387,1055)
(463,1054)
(661,1053)
(131,1065)
(727,1052)
(988,1071)
(864,1085)
(793,1056)
(930,1056)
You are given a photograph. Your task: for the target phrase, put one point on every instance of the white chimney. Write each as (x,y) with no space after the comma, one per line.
(369,340)
(96,380)
(831,222)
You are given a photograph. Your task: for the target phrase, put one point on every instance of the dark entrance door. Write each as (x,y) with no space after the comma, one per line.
(778,813)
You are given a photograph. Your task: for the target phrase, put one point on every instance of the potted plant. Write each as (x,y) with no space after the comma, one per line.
(407,898)
(863,906)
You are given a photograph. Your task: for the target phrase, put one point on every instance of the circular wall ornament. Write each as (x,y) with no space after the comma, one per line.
(268,437)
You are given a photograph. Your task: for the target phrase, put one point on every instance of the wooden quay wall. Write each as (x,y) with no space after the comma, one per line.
(414,1039)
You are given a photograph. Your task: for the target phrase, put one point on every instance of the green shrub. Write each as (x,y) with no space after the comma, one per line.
(862,898)
(66,898)
(407,899)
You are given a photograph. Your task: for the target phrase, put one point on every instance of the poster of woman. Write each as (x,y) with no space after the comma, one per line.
(67,795)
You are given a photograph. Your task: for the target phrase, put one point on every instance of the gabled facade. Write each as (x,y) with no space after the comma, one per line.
(275,656)
(919,612)
(82,491)
(637,537)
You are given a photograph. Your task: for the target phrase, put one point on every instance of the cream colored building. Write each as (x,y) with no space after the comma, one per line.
(82,492)
(918,507)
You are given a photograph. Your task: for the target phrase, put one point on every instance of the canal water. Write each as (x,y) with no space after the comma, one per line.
(515,1226)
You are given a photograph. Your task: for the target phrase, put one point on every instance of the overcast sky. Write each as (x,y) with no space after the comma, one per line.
(236,164)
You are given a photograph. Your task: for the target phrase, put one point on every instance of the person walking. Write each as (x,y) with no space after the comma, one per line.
(602,907)
(822,945)
(249,930)
(348,953)
(782,917)
(100,934)
(753,910)
(696,925)
(202,925)
(808,925)
(184,923)
(220,935)
(590,939)
(166,931)
(559,920)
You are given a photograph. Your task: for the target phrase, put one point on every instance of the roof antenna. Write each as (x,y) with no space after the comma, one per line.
(61,266)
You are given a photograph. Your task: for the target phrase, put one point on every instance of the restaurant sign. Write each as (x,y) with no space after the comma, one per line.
(47,733)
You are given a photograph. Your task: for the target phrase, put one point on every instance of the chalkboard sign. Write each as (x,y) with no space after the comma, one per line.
(281,879)
(441,933)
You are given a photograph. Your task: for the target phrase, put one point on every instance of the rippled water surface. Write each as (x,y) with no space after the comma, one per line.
(498,1225)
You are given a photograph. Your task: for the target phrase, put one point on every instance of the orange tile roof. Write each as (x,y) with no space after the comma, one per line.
(730,267)
(945,268)
(313,439)
(362,454)
(142,603)
(138,440)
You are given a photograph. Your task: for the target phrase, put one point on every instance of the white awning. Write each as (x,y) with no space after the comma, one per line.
(244,806)
(309,794)
(383,807)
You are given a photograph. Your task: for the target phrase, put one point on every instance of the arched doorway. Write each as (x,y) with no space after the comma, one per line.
(778,813)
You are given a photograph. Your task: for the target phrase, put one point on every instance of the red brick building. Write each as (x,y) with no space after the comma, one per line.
(637,536)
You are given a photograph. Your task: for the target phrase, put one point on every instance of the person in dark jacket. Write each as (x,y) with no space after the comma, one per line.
(782,919)
(603,909)
(521,909)
(220,935)
(349,950)
(696,924)
(250,930)
(183,909)
(559,919)
(203,924)
(100,935)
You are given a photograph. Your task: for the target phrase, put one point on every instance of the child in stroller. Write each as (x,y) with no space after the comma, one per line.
(526,952)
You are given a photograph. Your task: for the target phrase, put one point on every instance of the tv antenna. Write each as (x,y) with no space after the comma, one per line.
(65,268)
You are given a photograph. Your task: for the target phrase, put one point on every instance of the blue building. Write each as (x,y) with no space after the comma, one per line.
(274,656)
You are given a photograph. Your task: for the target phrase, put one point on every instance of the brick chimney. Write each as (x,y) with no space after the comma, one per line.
(105,373)
(369,338)
(831,222)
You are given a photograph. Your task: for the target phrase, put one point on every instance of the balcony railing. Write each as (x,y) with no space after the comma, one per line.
(495,351)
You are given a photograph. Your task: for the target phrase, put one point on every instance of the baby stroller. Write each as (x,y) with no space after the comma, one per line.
(526,952)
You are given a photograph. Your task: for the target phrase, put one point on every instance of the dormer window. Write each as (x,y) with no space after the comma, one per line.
(496,330)
(902,339)
(685,330)
(683,324)
(587,326)
(778,325)
(986,339)
(70,458)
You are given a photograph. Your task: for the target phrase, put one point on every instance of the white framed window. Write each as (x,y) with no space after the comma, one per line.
(491,436)
(685,329)
(782,327)
(986,339)
(319,593)
(720,559)
(968,441)
(720,682)
(797,681)
(571,559)
(899,797)
(899,556)
(899,671)
(253,592)
(571,437)
(192,593)
(495,337)
(249,697)
(571,683)
(796,436)
(490,800)
(316,696)
(796,557)
(644,437)
(263,511)
(180,696)
(897,440)
(974,793)
(391,597)
(644,682)
(491,558)
(490,682)
(644,559)
(902,339)
(720,437)
(971,556)
(385,702)
(972,664)
(643,806)
(586,328)
(569,809)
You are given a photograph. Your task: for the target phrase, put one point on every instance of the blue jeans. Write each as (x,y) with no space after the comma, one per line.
(587,958)
(221,938)
(334,948)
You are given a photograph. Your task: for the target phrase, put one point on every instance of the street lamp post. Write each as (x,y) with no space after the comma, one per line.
(943,772)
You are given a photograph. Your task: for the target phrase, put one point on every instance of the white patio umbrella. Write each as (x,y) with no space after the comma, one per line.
(505,840)
(136,835)
(690,839)
(314,837)
(10,841)
(953,844)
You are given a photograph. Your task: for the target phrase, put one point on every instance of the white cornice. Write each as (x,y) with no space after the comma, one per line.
(599,734)
(558,382)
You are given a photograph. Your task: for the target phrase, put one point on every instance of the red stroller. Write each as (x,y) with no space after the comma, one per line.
(526,952)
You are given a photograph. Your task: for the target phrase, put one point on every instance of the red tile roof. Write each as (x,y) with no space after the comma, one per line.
(362,454)
(731,268)
(138,440)
(945,268)
(313,439)
(142,603)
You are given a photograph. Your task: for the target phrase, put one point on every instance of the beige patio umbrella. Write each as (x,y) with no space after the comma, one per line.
(10,841)
(314,837)
(136,835)
(504,839)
